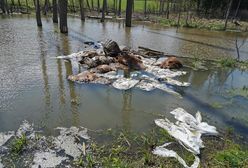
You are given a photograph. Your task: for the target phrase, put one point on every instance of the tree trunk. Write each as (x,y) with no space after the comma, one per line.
(228,13)
(3,6)
(104,5)
(98,6)
(55,11)
(119,10)
(145,8)
(92,4)
(168,9)
(81,5)
(37,9)
(45,7)
(237,9)
(63,16)
(88,5)
(129,13)
(73,6)
(19,5)
(27,5)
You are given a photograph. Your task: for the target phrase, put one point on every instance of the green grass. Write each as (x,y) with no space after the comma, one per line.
(18,144)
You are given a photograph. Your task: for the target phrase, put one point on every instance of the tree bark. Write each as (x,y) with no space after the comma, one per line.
(45,7)
(63,16)
(92,4)
(145,8)
(88,5)
(81,5)
(98,6)
(237,9)
(104,5)
(228,13)
(129,11)
(55,11)
(37,9)
(168,9)
(27,5)
(119,10)
(3,6)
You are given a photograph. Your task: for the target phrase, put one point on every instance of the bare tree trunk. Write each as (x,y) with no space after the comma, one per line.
(19,5)
(228,13)
(129,13)
(237,9)
(81,5)
(45,7)
(6,6)
(104,5)
(119,10)
(63,16)
(37,9)
(3,6)
(73,6)
(98,6)
(179,16)
(88,5)
(168,9)
(145,8)
(55,11)
(92,4)
(27,6)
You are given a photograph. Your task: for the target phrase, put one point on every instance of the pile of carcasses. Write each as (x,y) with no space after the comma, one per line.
(115,65)
(187,130)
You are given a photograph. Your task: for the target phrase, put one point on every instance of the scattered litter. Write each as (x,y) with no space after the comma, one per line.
(163,152)
(187,130)
(24,129)
(47,159)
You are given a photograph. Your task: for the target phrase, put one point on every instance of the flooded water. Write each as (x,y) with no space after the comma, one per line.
(34,84)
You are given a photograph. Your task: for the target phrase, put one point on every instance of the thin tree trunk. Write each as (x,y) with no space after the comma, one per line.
(55,11)
(179,16)
(81,5)
(119,10)
(63,16)
(145,8)
(129,13)
(92,4)
(3,6)
(19,5)
(37,9)
(104,5)
(27,5)
(168,9)
(88,5)
(237,9)
(228,13)
(98,6)
(73,6)
(45,7)
(7,6)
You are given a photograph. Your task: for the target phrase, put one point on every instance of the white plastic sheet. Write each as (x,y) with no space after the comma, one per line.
(187,130)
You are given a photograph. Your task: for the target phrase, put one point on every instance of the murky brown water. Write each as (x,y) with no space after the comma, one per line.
(34,86)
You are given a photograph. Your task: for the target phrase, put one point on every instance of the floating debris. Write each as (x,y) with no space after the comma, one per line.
(187,131)
(4,137)
(125,83)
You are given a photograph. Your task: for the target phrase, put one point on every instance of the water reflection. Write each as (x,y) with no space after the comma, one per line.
(126,109)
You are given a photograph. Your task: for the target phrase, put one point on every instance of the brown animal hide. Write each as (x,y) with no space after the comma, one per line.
(104,68)
(132,61)
(83,77)
(111,48)
(171,63)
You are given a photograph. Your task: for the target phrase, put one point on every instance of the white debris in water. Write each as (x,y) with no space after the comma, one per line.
(110,75)
(47,159)
(163,73)
(163,152)
(4,137)
(69,140)
(24,129)
(125,83)
(176,82)
(187,131)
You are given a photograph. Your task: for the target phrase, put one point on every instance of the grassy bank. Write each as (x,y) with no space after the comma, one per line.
(124,149)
